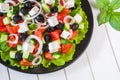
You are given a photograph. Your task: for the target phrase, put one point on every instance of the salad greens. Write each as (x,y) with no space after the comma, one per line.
(42,33)
(108,13)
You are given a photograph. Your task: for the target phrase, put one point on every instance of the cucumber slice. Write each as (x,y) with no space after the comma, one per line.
(9,14)
(25,55)
(12,54)
(32,41)
(31,57)
(66,27)
(6,20)
(56,55)
(32,26)
(19,47)
(15,9)
(60,8)
(46,8)
(4,37)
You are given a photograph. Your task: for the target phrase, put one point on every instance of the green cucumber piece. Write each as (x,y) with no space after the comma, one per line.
(31,57)
(32,26)
(6,20)
(56,55)
(46,8)
(19,47)
(25,55)
(32,41)
(9,14)
(21,5)
(12,54)
(60,8)
(66,27)
(4,37)
(15,9)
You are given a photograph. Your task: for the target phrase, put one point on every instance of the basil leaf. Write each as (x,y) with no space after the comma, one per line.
(115,21)
(102,3)
(115,4)
(104,17)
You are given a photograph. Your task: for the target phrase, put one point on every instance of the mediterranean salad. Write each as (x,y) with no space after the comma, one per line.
(40,32)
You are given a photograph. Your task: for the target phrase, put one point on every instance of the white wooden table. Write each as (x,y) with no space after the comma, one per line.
(100,61)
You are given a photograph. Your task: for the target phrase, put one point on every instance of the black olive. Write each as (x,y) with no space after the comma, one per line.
(59,26)
(73,8)
(54,9)
(45,48)
(23,36)
(38,0)
(47,38)
(17,18)
(74,26)
(50,29)
(18,56)
(28,4)
(24,10)
(40,18)
(1,14)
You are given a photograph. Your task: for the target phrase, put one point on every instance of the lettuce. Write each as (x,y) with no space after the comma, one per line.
(60,61)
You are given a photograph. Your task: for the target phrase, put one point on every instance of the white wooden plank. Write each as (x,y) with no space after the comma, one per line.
(3,73)
(100,53)
(114,37)
(79,70)
(14,75)
(59,75)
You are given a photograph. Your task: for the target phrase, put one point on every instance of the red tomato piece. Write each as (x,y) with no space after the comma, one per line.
(15,29)
(66,48)
(55,35)
(38,33)
(48,56)
(25,62)
(9,29)
(74,34)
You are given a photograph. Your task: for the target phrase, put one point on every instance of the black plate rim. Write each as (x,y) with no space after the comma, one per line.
(86,7)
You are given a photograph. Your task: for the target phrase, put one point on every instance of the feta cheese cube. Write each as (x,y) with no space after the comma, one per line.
(28,47)
(78,18)
(49,1)
(23,27)
(53,21)
(34,11)
(70,3)
(54,46)
(65,34)
(4,7)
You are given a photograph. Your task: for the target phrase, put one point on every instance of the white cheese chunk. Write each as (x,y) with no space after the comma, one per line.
(53,21)
(4,7)
(34,11)
(54,46)
(49,1)
(28,47)
(65,34)
(78,18)
(70,3)
(23,27)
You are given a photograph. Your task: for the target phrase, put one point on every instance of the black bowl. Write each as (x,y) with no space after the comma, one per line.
(79,48)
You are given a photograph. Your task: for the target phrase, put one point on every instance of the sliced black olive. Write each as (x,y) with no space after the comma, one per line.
(40,18)
(59,26)
(54,9)
(1,14)
(38,0)
(23,36)
(28,4)
(18,56)
(24,10)
(74,26)
(50,29)
(47,38)
(45,48)
(17,18)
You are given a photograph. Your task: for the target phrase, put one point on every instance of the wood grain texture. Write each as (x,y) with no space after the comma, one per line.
(3,73)
(79,69)
(14,75)
(59,75)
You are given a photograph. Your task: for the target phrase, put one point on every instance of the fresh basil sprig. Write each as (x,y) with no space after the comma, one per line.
(108,13)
